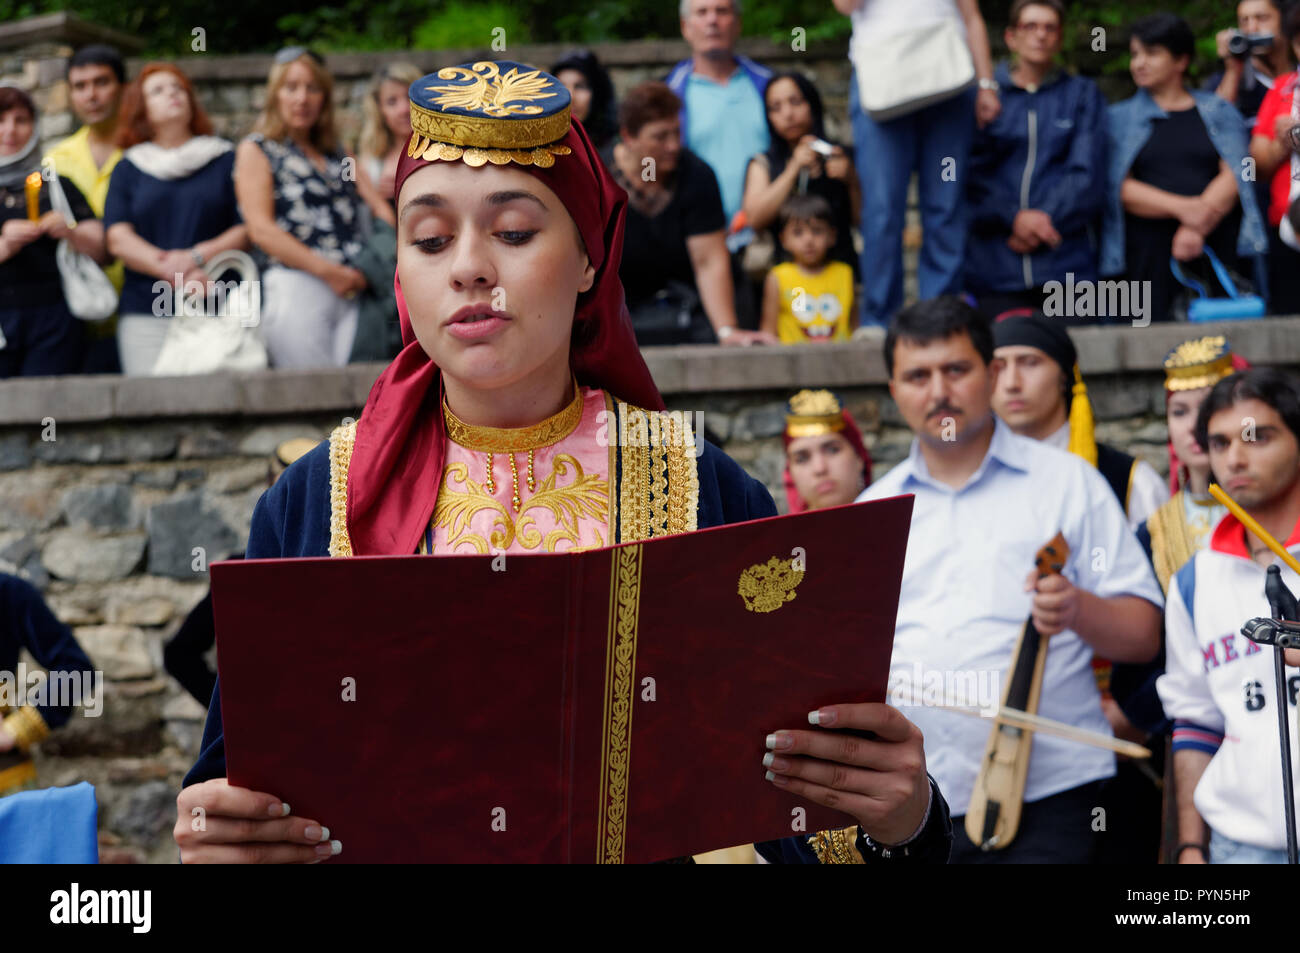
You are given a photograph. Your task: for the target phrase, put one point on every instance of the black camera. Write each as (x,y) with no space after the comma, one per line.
(1242,45)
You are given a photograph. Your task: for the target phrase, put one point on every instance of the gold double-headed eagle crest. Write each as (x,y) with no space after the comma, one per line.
(766,587)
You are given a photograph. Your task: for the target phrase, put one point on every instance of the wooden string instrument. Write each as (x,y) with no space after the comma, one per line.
(993,817)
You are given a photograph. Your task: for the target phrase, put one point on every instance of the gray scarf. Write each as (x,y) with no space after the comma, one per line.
(15,168)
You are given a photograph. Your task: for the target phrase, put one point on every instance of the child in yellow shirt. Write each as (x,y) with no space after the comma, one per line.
(809,299)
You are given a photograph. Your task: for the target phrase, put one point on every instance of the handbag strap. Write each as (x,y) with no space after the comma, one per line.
(1183,280)
(58,199)
(1220,272)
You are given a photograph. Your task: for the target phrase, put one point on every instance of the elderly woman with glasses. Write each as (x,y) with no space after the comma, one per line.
(307,214)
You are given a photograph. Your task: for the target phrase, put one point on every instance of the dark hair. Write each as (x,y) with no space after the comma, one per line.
(1290,21)
(601,117)
(778,148)
(804,208)
(1168,30)
(11,97)
(1278,389)
(646,103)
(98,54)
(1018,7)
(937,319)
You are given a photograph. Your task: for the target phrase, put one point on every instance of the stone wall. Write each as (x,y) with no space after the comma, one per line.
(108,485)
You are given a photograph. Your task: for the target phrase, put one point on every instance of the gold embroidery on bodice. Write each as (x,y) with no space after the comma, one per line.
(584,497)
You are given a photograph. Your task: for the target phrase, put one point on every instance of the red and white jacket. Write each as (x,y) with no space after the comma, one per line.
(1219,687)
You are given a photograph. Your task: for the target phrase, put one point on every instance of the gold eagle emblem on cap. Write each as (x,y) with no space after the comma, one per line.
(766,587)
(491,91)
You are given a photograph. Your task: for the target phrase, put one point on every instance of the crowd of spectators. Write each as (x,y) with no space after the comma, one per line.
(747,222)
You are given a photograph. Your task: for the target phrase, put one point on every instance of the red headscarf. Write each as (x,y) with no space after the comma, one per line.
(849,433)
(397,457)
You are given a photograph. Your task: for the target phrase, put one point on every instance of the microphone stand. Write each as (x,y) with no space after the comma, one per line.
(1281,632)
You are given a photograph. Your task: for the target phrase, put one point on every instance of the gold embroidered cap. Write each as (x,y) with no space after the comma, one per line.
(1200,362)
(489,111)
(811,413)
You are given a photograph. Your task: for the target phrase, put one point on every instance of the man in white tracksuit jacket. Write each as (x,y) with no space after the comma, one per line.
(1219,686)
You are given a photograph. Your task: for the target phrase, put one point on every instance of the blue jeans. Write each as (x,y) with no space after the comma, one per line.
(1225,850)
(887,154)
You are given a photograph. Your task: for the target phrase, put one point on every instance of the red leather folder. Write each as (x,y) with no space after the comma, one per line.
(606,706)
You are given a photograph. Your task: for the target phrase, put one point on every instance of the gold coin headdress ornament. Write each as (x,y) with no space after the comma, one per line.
(489,111)
(811,413)
(1200,362)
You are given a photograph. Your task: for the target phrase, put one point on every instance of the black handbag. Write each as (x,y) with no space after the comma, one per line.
(673,316)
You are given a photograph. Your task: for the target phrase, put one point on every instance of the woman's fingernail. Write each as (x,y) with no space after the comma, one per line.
(768,759)
(769,776)
(776,764)
(278,810)
(779,740)
(324,833)
(324,850)
(336,847)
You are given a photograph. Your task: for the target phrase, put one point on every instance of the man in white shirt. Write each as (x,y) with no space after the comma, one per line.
(1218,685)
(986,500)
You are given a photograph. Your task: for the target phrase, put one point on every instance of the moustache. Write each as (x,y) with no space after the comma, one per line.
(942,409)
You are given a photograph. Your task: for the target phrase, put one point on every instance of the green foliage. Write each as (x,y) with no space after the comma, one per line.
(462,23)
(246,26)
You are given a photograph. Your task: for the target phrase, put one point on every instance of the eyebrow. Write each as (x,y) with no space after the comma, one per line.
(434,200)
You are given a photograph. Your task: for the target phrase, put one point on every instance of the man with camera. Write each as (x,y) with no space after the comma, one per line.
(1254,55)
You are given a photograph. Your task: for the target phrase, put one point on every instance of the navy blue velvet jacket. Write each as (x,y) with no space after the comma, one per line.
(292,520)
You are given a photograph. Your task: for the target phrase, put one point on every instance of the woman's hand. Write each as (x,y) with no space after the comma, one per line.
(178,261)
(987,107)
(1188,244)
(239,826)
(838,165)
(742,338)
(804,156)
(54,225)
(19,232)
(7,741)
(1197,214)
(881,782)
(344,280)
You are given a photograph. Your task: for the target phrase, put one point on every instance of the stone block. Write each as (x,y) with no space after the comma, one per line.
(242,477)
(119,651)
(80,556)
(262,441)
(15,452)
(149,610)
(105,507)
(177,527)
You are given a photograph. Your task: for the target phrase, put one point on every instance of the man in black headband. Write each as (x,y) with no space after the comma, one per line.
(1041,395)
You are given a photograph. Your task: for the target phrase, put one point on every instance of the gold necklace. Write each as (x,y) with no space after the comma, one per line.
(512,440)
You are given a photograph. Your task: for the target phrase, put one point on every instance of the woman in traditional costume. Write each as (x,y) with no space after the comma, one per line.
(494,430)
(1182,526)
(826,462)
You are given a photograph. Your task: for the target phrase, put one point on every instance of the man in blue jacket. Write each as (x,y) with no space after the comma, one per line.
(724,121)
(1038,172)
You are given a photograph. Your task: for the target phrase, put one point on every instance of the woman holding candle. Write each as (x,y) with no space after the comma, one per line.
(38,334)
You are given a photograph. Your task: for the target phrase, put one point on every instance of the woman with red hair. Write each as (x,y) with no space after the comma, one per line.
(170,208)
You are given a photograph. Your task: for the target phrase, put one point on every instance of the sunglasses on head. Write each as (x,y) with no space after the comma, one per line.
(291,53)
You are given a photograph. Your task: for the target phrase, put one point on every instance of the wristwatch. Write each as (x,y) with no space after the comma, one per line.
(990,84)
(726,331)
(198,257)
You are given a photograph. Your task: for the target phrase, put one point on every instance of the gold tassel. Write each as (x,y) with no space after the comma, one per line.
(1083,441)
